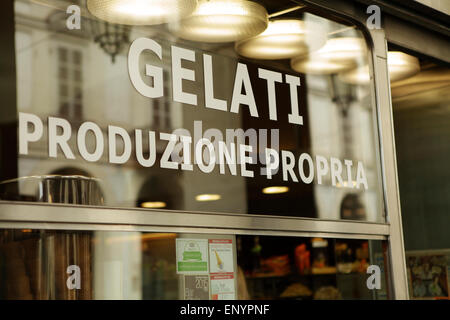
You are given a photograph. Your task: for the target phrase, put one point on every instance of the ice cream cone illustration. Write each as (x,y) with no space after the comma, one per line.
(219,261)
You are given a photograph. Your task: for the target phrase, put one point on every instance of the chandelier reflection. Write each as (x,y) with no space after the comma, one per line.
(112,38)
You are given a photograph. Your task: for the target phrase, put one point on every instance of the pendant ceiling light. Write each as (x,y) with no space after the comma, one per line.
(337,55)
(141,12)
(283,39)
(400,66)
(222,21)
(359,75)
(55,4)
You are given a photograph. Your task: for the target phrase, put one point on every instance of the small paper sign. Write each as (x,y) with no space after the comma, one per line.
(192,256)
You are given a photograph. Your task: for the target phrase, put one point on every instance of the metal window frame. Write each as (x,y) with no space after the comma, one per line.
(69,217)
(77,217)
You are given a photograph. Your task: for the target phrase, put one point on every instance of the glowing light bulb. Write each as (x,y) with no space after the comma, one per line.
(402,65)
(222,21)
(141,12)
(283,39)
(153,204)
(208,197)
(275,190)
(337,55)
(356,76)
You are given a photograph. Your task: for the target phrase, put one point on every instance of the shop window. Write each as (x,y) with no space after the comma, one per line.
(70,83)
(308,268)
(161,192)
(301,103)
(421,102)
(52,264)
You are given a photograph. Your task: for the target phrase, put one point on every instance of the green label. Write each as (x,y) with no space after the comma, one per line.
(192,266)
(192,255)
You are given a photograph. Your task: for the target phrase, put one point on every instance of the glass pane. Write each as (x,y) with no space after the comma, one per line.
(269,117)
(421,102)
(80,265)
(77,75)
(310,268)
(62,73)
(77,58)
(62,55)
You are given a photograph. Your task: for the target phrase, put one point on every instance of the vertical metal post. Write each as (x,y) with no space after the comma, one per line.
(388,156)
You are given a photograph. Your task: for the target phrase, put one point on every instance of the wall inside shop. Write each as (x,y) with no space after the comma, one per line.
(422,131)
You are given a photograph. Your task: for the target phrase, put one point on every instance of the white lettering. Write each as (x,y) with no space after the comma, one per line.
(227,156)
(271,77)
(114,132)
(156,73)
(179,74)
(301,170)
(186,142)
(271,165)
(244,160)
(294,117)
(54,139)
(151,148)
(210,101)
(81,141)
(243,79)
(165,158)
(361,176)
(199,155)
(348,165)
(322,168)
(24,135)
(336,171)
(288,162)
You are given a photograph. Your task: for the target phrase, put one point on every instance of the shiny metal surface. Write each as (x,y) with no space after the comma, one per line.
(65,216)
(390,179)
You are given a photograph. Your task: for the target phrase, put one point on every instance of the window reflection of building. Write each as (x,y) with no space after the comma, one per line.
(352,208)
(340,116)
(106,97)
(70,73)
(162,189)
(80,83)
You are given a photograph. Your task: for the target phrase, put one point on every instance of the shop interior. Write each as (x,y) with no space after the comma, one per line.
(130,265)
